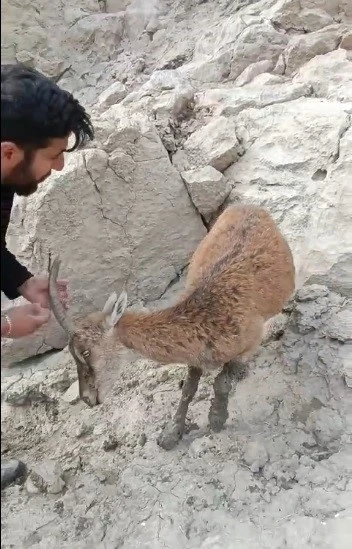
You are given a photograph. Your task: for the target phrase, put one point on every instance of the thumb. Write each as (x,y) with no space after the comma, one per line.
(41,315)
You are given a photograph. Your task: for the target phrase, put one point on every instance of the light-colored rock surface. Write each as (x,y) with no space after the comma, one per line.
(46,477)
(207,188)
(128,222)
(112,95)
(261,91)
(330,75)
(215,144)
(303,180)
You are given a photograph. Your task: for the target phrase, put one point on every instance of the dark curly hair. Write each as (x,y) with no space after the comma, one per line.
(34,110)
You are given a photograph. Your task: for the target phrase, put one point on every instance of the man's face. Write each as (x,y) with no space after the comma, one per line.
(25,170)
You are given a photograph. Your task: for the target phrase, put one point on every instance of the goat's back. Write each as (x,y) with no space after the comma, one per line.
(246,241)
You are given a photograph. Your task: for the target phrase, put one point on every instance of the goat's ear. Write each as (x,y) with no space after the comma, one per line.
(119,308)
(110,303)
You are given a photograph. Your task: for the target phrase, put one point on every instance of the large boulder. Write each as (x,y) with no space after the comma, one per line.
(298,164)
(330,75)
(118,215)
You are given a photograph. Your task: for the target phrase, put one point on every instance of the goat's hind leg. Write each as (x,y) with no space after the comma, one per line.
(174,430)
(218,413)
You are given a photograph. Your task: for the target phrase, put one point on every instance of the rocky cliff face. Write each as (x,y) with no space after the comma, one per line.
(197,104)
(258,91)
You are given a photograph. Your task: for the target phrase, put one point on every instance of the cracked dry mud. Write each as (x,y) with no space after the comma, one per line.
(277,476)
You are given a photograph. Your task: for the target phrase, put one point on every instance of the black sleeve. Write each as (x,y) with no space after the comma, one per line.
(13,274)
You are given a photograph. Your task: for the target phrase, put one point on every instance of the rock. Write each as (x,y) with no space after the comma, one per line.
(215,144)
(346,41)
(138,15)
(46,477)
(305,47)
(208,71)
(255,455)
(273,172)
(207,187)
(110,443)
(11,471)
(293,15)
(99,200)
(326,425)
(173,104)
(71,396)
(254,70)
(265,89)
(112,95)
(40,379)
(330,75)
(114,6)
(340,326)
(345,355)
(100,33)
(311,292)
(259,42)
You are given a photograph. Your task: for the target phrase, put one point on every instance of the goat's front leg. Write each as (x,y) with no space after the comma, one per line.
(218,413)
(174,430)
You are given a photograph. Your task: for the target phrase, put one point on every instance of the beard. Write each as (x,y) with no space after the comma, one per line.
(21,179)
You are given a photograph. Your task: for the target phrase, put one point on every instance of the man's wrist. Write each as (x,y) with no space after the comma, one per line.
(6,325)
(25,284)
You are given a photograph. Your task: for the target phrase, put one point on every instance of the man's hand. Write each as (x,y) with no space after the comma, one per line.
(36,290)
(23,320)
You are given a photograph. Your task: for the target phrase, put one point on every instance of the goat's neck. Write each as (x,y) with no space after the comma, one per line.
(164,336)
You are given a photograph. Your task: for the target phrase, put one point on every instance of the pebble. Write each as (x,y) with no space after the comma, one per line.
(71,396)
(326,424)
(255,455)
(46,477)
(110,443)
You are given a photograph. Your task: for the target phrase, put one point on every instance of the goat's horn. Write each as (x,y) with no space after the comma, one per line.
(54,299)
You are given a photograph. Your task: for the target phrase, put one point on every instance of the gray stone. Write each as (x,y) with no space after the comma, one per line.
(255,455)
(11,471)
(214,144)
(71,396)
(207,187)
(340,326)
(46,477)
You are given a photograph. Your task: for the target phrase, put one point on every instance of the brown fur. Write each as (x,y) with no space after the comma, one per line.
(241,275)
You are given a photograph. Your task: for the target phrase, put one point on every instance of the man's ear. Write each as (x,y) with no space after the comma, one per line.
(11,154)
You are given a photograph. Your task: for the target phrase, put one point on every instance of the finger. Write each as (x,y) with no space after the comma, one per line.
(36,309)
(41,317)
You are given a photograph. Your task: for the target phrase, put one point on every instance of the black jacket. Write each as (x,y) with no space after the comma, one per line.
(13,274)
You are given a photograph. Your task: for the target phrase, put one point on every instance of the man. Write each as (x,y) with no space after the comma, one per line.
(37,120)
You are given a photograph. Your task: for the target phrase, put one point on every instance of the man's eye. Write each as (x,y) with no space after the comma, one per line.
(86,354)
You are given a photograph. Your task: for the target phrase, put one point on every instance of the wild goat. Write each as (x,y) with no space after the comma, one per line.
(241,275)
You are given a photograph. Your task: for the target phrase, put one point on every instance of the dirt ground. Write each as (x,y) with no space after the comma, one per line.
(279,476)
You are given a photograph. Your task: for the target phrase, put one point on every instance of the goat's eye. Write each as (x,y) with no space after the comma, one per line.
(86,354)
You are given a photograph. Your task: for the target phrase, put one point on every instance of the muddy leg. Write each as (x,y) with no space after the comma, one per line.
(218,412)
(232,372)
(174,430)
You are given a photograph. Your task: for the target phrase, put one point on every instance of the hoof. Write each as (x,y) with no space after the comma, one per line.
(217,420)
(170,437)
